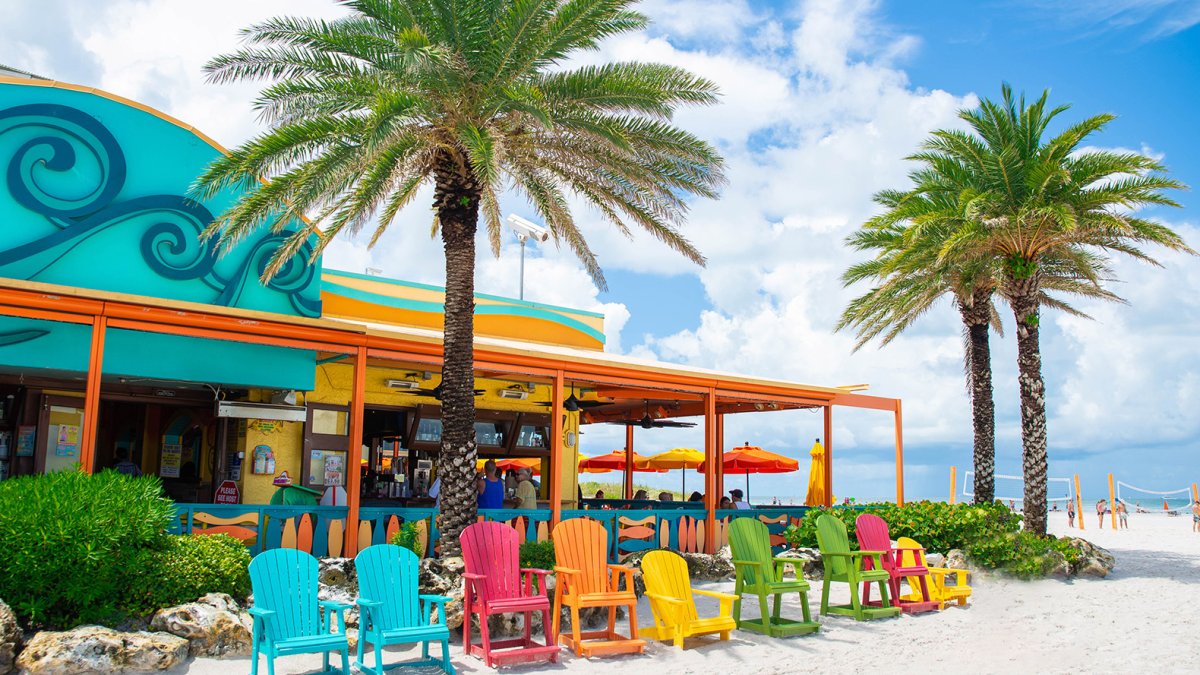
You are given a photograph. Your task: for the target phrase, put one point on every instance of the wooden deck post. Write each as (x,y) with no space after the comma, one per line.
(828,477)
(899,455)
(556,448)
(91,397)
(711,498)
(719,465)
(953,482)
(358,401)
(627,479)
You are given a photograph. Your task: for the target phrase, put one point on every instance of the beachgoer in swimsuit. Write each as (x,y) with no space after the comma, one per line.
(1195,516)
(1122,515)
(1100,511)
(1071,513)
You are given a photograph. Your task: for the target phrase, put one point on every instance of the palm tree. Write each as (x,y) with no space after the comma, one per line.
(1036,206)
(912,276)
(474,97)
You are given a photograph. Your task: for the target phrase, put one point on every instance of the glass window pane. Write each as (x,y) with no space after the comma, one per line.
(330,422)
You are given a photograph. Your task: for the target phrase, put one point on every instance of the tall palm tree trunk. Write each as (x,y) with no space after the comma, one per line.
(456,201)
(1025,304)
(977,318)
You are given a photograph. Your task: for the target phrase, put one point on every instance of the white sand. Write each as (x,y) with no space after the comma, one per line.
(1143,617)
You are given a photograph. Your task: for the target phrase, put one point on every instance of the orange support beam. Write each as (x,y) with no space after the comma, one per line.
(358,400)
(953,482)
(556,448)
(719,465)
(828,477)
(91,397)
(1112,501)
(711,454)
(628,478)
(1195,494)
(899,455)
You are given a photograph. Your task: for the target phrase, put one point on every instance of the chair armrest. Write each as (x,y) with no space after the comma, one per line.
(437,599)
(337,606)
(260,613)
(842,554)
(666,598)
(782,563)
(623,570)
(473,577)
(534,570)
(330,607)
(715,594)
(370,604)
(565,570)
(747,562)
(961,576)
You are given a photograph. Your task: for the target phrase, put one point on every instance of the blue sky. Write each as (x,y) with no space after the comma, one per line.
(822,100)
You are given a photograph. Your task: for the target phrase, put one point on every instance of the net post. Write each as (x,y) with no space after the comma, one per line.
(1078,504)
(1195,494)
(953,482)
(1112,501)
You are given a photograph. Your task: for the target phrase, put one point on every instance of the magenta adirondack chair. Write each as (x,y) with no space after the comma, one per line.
(872,533)
(494,586)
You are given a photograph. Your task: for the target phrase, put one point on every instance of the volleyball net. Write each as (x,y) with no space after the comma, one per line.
(1141,500)
(1012,488)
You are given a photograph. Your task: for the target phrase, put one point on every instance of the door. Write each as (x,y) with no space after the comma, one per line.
(61,433)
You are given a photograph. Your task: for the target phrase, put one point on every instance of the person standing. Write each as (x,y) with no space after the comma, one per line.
(738,502)
(124,465)
(526,494)
(1071,513)
(1195,516)
(490,487)
(1122,515)
(1100,509)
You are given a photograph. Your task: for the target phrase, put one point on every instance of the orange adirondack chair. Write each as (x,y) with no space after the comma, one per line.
(494,586)
(585,579)
(872,533)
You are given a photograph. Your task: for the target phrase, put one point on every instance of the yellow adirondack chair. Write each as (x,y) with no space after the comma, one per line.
(670,591)
(939,591)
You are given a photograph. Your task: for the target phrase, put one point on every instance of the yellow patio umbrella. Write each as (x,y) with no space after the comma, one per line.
(676,458)
(816,476)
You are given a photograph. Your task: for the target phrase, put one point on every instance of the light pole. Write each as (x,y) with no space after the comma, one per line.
(525,229)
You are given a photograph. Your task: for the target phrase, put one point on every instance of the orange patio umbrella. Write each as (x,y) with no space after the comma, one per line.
(613,461)
(517,463)
(747,459)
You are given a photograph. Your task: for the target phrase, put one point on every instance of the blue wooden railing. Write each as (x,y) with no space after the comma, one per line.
(265,527)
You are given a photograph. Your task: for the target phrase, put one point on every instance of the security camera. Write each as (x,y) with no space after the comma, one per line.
(526,229)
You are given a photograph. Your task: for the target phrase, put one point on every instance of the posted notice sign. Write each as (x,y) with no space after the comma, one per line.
(227,493)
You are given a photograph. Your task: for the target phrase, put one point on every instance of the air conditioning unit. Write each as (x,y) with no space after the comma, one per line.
(402,384)
(515,394)
(262,411)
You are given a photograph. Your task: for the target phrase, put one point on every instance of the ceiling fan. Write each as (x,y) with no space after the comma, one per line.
(435,393)
(573,403)
(648,422)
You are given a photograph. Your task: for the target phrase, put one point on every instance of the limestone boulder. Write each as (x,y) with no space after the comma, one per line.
(810,558)
(1056,566)
(214,626)
(956,560)
(10,639)
(95,649)
(338,582)
(935,559)
(444,577)
(1093,561)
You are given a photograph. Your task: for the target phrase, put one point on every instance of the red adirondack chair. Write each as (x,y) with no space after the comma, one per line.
(872,533)
(494,586)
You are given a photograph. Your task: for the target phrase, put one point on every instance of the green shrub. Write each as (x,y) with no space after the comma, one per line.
(538,555)
(937,525)
(408,537)
(68,542)
(186,568)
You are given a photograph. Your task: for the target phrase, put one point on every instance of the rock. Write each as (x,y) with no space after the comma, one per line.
(704,567)
(444,577)
(813,567)
(338,582)
(213,626)
(1094,561)
(935,559)
(10,639)
(1056,566)
(956,560)
(95,649)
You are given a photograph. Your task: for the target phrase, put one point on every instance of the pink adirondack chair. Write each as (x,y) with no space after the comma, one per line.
(494,586)
(872,533)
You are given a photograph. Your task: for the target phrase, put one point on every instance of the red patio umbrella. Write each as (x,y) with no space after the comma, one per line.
(613,461)
(747,459)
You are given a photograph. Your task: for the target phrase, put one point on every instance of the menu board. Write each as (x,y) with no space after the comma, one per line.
(327,468)
(172,459)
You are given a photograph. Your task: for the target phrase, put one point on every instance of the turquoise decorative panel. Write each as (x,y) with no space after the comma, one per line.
(94,194)
(33,344)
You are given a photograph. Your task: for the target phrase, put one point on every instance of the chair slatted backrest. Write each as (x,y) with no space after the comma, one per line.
(389,574)
(284,581)
(493,550)
(872,534)
(666,573)
(582,544)
(832,538)
(910,558)
(750,540)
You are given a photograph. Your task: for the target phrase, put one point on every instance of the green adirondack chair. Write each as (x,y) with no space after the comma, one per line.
(394,612)
(845,566)
(288,617)
(759,573)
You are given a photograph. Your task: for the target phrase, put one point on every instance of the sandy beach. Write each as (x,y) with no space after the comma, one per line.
(1143,617)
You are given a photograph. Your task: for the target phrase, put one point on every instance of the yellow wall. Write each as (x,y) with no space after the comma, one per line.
(570,461)
(286,439)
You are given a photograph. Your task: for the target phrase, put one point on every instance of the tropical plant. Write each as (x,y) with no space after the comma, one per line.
(1039,208)
(473,97)
(409,537)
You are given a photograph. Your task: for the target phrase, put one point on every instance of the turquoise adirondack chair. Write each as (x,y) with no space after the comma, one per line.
(288,617)
(393,612)
(760,573)
(845,566)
